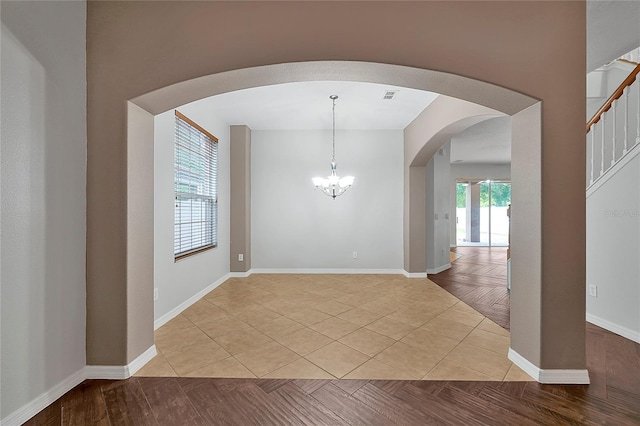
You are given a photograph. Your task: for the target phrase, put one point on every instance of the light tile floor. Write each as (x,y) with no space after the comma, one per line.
(332,326)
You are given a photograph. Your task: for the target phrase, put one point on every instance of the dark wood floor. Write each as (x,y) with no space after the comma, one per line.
(612,398)
(189,401)
(479,278)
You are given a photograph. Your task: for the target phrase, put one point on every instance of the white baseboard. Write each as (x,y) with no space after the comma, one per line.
(110,372)
(120,372)
(326,271)
(414,274)
(141,360)
(190,301)
(42,401)
(240,274)
(554,376)
(614,328)
(438,270)
(115,372)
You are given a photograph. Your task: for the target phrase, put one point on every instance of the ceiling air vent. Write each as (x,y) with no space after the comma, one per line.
(389,94)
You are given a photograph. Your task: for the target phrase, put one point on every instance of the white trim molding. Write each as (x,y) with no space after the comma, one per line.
(110,372)
(190,301)
(141,360)
(117,372)
(439,269)
(553,376)
(120,372)
(240,274)
(414,274)
(113,372)
(42,401)
(327,271)
(614,328)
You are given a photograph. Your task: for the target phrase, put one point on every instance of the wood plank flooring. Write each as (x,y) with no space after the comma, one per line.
(194,401)
(479,278)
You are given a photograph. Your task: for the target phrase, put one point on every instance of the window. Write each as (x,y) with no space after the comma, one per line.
(196,189)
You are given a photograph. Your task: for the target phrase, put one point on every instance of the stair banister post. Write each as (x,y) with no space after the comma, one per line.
(613,140)
(593,141)
(625,93)
(638,115)
(604,117)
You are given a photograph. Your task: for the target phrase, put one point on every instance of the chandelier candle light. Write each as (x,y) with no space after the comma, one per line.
(333,185)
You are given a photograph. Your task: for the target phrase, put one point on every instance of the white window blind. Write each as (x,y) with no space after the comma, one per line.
(196,188)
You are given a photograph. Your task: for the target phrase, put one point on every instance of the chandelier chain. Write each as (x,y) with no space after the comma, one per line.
(333,156)
(333,185)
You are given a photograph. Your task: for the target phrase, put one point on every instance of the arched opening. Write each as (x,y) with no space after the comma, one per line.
(439,122)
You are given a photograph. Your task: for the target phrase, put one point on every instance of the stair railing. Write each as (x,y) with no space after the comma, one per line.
(624,90)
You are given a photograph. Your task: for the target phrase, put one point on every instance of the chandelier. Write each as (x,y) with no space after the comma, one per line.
(333,185)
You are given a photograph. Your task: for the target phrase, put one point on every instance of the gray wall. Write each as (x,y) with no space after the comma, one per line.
(613,250)
(296,226)
(43,197)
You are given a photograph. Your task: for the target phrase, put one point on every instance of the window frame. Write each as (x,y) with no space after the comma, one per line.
(211,159)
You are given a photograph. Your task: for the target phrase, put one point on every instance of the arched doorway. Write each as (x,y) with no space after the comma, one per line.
(139,48)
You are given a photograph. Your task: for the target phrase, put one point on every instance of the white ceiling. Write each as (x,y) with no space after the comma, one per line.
(485,142)
(306,105)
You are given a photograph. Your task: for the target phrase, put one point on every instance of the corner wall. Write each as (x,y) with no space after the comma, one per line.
(43,202)
(240,198)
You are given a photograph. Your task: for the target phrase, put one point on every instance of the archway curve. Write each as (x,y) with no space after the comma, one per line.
(489,95)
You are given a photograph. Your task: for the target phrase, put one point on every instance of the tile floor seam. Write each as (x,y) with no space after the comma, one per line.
(318,367)
(481,372)
(245,366)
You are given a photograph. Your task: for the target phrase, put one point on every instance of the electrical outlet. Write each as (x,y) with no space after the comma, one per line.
(155,294)
(355,254)
(593,290)
(240,257)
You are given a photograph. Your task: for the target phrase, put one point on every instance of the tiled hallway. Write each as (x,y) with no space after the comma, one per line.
(332,326)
